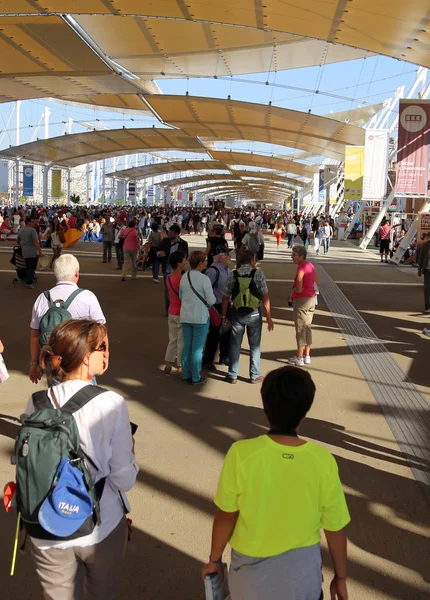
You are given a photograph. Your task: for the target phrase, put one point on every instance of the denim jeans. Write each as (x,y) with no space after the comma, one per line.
(30,269)
(317,244)
(155,268)
(326,242)
(253,325)
(192,351)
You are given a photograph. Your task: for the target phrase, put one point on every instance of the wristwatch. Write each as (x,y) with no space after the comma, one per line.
(34,364)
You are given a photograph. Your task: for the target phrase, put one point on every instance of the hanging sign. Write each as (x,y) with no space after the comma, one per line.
(28,176)
(354,172)
(132,189)
(413,147)
(376,164)
(56,183)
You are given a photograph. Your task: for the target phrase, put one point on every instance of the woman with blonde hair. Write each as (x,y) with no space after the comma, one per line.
(77,351)
(197,297)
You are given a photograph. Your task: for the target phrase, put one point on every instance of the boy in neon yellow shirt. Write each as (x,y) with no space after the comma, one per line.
(274,495)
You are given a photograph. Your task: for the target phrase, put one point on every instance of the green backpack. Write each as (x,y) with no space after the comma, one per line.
(245,296)
(57,312)
(45,438)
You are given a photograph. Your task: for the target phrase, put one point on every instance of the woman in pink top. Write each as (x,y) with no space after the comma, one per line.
(178,263)
(303,299)
(131,247)
(384,239)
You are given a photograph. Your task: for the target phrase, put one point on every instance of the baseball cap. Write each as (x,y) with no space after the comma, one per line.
(68,505)
(221,249)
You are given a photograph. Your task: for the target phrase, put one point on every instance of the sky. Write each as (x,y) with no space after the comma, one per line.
(330,88)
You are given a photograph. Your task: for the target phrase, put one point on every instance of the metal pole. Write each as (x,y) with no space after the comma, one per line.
(88,183)
(46,121)
(68,185)
(45,185)
(377,220)
(104,183)
(16,183)
(359,212)
(410,234)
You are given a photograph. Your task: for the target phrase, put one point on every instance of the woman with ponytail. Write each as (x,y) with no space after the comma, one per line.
(77,351)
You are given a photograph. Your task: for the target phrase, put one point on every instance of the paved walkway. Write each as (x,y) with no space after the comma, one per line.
(184,432)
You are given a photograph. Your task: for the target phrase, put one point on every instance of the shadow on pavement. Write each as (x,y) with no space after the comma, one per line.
(385,522)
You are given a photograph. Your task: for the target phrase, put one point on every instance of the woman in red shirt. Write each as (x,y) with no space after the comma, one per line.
(131,247)
(177,261)
(303,299)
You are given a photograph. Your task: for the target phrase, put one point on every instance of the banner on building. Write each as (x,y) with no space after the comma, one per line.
(321,186)
(413,147)
(330,184)
(376,164)
(56,183)
(354,172)
(28,180)
(4,177)
(316,193)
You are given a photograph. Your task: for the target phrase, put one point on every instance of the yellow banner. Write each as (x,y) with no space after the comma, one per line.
(56,183)
(354,172)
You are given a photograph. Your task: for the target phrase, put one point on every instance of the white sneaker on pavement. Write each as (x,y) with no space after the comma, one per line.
(296,362)
(155,281)
(307,360)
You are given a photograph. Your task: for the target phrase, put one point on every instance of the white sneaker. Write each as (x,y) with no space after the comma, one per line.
(307,360)
(155,281)
(296,362)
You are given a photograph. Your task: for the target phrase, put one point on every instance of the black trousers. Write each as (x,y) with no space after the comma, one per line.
(217,335)
(119,256)
(30,266)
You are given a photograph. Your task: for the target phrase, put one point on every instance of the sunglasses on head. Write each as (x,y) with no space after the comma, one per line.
(101,348)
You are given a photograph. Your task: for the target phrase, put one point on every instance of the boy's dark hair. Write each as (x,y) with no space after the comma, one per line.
(175,228)
(288,394)
(218,229)
(245,257)
(175,258)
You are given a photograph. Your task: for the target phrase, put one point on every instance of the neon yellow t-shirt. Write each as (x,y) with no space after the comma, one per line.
(284,495)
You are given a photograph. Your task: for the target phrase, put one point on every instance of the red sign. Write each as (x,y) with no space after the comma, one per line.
(413,147)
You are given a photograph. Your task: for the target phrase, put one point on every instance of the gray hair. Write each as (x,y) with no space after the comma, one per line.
(300,251)
(65,267)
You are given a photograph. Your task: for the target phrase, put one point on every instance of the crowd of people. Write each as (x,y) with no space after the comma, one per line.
(210,307)
(72,348)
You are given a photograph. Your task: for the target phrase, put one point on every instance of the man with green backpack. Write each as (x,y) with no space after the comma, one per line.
(64,301)
(247,289)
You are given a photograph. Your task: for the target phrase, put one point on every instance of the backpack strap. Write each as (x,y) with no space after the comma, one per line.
(217,276)
(70,299)
(82,397)
(171,285)
(48,297)
(41,400)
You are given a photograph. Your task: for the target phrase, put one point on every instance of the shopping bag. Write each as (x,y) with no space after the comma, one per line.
(215,589)
(3,370)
